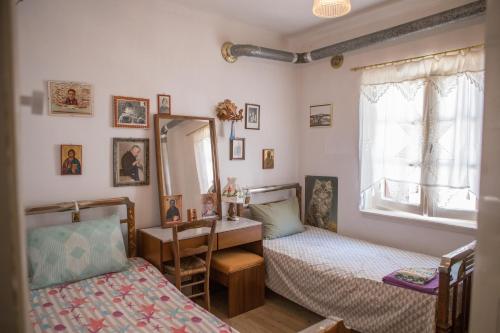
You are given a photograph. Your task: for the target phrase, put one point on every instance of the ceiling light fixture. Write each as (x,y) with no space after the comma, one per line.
(331,8)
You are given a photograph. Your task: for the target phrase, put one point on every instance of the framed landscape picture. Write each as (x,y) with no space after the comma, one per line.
(164,104)
(130,162)
(321,115)
(252,116)
(171,210)
(237,149)
(321,202)
(70,98)
(71,159)
(267,158)
(131,112)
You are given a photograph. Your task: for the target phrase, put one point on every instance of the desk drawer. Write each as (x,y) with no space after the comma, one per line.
(239,237)
(185,243)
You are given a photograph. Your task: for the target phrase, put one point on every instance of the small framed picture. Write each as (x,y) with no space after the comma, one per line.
(321,115)
(71,159)
(171,210)
(70,98)
(252,116)
(267,158)
(237,149)
(131,112)
(209,205)
(164,104)
(130,162)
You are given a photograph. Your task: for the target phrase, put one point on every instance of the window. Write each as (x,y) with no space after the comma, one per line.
(203,157)
(420,136)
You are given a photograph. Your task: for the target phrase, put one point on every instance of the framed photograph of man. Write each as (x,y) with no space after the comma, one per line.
(237,149)
(71,159)
(320,115)
(267,158)
(131,112)
(252,116)
(164,104)
(209,205)
(130,162)
(171,210)
(70,98)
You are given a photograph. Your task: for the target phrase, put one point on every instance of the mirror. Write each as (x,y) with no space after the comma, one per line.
(187,167)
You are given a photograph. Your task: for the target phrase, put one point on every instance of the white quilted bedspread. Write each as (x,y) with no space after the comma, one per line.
(334,275)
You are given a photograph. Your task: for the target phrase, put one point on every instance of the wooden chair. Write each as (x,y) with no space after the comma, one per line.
(187,262)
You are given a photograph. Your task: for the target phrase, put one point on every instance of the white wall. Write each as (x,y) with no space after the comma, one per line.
(143,48)
(334,151)
(139,49)
(485,313)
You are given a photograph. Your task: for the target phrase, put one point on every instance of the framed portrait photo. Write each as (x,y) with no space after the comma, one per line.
(209,205)
(252,116)
(130,162)
(71,159)
(164,104)
(267,158)
(131,112)
(321,115)
(70,98)
(237,149)
(171,210)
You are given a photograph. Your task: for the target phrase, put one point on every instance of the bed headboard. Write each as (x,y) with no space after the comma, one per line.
(274,188)
(76,206)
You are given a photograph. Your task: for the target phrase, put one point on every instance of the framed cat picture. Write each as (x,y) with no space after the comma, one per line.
(321,202)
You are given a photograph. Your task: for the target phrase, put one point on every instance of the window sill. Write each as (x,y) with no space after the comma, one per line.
(463,226)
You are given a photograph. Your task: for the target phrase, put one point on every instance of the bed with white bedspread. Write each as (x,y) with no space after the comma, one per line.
(336,275)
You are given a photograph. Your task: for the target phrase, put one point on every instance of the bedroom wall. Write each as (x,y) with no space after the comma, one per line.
(334,151)
(485,311)
(139,49)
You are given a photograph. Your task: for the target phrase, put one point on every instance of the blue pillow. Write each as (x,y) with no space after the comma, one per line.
(72,252)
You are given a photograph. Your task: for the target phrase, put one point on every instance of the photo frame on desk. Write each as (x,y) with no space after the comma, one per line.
(171,210)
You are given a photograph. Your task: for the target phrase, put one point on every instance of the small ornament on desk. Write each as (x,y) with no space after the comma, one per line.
(191,215)
(233,195)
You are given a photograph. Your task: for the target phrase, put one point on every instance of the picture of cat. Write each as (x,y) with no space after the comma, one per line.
(321,202)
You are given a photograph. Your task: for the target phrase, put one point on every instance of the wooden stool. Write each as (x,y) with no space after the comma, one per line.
(242,272)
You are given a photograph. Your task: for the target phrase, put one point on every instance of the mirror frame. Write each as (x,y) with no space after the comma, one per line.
(159,160)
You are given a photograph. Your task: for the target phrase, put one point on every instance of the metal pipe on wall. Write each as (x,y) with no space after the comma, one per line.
(231,52)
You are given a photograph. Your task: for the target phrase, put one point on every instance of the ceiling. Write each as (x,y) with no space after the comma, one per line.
(283,16)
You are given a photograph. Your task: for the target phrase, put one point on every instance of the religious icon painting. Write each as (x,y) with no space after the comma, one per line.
(71,159)
(267,158)
(171,210)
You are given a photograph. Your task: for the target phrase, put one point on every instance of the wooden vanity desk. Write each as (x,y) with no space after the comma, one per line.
(155,244)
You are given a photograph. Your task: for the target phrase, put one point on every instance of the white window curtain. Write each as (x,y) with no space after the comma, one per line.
(203,156)
(420,125)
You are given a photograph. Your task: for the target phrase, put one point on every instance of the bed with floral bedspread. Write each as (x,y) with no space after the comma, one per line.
(138,299)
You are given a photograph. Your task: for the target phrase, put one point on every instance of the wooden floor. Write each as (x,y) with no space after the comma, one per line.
(277,315)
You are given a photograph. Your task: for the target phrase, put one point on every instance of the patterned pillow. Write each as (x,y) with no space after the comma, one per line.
(68,253)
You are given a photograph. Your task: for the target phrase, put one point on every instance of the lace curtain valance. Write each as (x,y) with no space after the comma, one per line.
(420,122)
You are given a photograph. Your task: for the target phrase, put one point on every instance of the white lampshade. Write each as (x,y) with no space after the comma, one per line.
(331,8)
